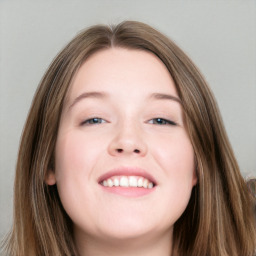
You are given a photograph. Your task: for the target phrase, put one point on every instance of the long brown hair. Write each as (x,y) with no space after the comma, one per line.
(218,220)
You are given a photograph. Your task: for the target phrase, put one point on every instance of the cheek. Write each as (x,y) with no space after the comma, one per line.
(175,153)
(176,157)
(76,157)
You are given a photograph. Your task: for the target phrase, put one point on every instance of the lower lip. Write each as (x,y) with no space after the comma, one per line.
(128,192)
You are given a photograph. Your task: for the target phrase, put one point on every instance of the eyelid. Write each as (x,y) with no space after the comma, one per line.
(87,121)
(167,121)
(155,121)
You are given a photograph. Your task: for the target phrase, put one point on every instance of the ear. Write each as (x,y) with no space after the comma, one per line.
(194,178)
(50,178)
(195,172)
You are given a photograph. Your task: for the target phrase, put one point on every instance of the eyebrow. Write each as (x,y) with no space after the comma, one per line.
(96,95)
(162,96)
(103,95)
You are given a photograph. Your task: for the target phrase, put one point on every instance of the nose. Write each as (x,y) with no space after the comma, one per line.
(127,141)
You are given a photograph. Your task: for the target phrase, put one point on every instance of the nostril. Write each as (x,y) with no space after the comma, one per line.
(119,150)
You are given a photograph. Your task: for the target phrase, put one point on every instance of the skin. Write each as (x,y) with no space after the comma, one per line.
(108,223)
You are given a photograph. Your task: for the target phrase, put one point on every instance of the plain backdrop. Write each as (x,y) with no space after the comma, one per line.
(219,36)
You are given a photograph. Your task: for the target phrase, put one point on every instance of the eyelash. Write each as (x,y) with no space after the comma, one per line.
(93,121)
(162,121)
(158,121)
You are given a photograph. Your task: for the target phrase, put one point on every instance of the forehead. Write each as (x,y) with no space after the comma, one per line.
(119,70)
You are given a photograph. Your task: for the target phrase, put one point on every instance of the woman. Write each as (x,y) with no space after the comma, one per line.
(124,153)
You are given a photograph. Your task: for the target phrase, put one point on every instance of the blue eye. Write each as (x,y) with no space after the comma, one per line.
(161,121)
(94,120)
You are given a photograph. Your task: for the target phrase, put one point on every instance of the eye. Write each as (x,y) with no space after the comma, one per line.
(94,120)
(161,121)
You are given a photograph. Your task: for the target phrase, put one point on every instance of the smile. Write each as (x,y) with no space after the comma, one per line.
(128,181)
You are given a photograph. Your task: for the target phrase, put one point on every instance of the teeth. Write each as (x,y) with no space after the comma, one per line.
(131,181)
(145,183)
(110,183)
(116,182)
(150,185)
(124,182)
(140,182)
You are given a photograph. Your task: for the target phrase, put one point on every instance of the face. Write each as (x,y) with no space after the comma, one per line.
(124,163)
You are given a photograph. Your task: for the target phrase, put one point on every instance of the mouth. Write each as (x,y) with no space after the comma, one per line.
(131,182)
(128,181)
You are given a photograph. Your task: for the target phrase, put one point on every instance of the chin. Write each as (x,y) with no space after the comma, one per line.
(124,232)
(131,229)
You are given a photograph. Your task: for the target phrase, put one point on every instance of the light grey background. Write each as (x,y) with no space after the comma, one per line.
(220,36)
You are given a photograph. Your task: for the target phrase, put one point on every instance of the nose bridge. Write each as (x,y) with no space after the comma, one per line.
(128,139)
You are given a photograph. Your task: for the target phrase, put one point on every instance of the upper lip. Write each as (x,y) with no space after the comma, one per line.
(127,171)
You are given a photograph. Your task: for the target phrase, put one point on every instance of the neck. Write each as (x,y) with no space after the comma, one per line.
(152,245)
